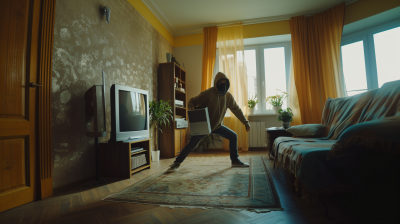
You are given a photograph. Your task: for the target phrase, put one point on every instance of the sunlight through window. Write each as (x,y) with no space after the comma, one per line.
(275,73)
(250,58)
(387,52)
(354,68)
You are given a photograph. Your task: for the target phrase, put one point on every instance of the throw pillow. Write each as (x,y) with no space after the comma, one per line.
(307,130)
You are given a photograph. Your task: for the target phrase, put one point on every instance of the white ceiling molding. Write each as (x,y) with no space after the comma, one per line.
(199,29)
(160,15)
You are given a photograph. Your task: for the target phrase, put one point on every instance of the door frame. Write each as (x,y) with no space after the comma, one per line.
(44,116)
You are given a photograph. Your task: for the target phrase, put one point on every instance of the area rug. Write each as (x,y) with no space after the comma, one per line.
(207,182)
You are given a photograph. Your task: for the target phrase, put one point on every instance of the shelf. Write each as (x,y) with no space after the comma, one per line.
(138,152)
(140,168)
(180,107)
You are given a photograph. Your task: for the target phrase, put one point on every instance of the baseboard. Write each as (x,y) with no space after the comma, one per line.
(71,185)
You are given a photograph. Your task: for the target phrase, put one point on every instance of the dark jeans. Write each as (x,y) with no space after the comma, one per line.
(223,132)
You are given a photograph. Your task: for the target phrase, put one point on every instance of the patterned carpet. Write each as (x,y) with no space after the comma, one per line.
(207,183)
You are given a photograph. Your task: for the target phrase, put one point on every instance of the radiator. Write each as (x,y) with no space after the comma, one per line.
(257,134)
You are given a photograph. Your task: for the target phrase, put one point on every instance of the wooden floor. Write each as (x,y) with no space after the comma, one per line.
(83,205)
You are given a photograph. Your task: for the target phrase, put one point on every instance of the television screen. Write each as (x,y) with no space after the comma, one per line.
(132,111)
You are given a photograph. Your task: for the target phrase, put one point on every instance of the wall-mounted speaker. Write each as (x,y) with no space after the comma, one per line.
(95,110)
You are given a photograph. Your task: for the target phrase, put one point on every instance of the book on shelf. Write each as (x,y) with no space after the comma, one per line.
(179,103)
(136,149)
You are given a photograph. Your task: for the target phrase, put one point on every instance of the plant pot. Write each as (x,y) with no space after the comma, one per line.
(155,155)
(252,110)
(276,109)
(200,148)
(286,124)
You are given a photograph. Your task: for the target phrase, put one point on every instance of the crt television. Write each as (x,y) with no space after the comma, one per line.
(129,113)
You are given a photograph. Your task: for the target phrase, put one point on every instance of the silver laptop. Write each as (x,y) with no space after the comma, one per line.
(199,122)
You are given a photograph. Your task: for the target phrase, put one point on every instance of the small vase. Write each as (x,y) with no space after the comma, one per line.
(155,155)
(251,110)
(169,55)
(286,124)
(276,109)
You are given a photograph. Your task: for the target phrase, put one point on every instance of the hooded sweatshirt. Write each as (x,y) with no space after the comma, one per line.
(218,103)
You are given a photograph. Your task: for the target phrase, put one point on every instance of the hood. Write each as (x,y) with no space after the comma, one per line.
(218,77)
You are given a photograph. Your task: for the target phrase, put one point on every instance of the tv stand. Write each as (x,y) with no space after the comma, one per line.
(115,158)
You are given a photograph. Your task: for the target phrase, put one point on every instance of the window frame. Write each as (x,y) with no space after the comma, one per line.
(367,36)
(261,95)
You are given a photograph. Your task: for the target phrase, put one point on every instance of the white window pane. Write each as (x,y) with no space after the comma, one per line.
(275,73)
(387,52)
(352,93)
(250,59)
(354,68)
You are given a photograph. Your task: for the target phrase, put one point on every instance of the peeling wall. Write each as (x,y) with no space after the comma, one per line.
(128,49)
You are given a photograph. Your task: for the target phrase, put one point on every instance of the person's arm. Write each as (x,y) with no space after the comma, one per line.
(234,107)
(198,100)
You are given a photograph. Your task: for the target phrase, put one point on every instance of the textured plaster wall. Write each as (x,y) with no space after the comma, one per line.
(128,49)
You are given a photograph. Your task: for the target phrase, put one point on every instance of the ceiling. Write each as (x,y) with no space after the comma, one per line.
(183,17)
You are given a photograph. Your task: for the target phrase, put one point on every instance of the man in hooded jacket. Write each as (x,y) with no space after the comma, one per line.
(218,100)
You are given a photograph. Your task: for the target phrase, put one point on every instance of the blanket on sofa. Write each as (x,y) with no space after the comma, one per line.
(306,158)
(341,113)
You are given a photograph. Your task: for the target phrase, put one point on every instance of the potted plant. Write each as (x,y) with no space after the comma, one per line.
(277,100)
(207,141)
(160,114)
(251,103)
(285,116)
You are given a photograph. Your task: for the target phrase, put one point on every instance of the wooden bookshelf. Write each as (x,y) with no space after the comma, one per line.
(172,140)
(115,158)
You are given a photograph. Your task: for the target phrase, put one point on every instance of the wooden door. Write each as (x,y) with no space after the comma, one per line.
(18,68)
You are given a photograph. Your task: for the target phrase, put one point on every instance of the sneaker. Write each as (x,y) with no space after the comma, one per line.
(240,164)
(173,167)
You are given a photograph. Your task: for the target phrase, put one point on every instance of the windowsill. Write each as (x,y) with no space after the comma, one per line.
(266,114)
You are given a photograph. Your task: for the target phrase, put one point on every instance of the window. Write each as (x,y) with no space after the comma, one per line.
(387,53)
(268,68)
(354,68)
(371,57)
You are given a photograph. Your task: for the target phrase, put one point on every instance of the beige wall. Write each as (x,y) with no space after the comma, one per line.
(191,57)
(128,49)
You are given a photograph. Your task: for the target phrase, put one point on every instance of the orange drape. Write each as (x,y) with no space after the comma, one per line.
(316,60)
(209,53)
(232,63)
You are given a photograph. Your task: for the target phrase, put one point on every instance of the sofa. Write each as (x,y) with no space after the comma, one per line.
(357,127)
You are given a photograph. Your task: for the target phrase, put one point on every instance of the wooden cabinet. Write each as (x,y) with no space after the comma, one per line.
(172,140)
(115,158)
(180,140)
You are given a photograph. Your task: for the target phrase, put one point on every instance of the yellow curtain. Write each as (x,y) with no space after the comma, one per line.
(231,62)
(316,60)
(209,52)
(294,98)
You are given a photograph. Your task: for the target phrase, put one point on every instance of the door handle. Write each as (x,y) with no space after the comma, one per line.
(33,85)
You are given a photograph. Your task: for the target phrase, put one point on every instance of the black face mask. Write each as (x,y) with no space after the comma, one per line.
(222,88)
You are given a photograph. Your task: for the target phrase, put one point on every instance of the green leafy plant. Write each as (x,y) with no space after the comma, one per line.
(285,115)
(277,100)
(252,102)
(209,140)
(160,114)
